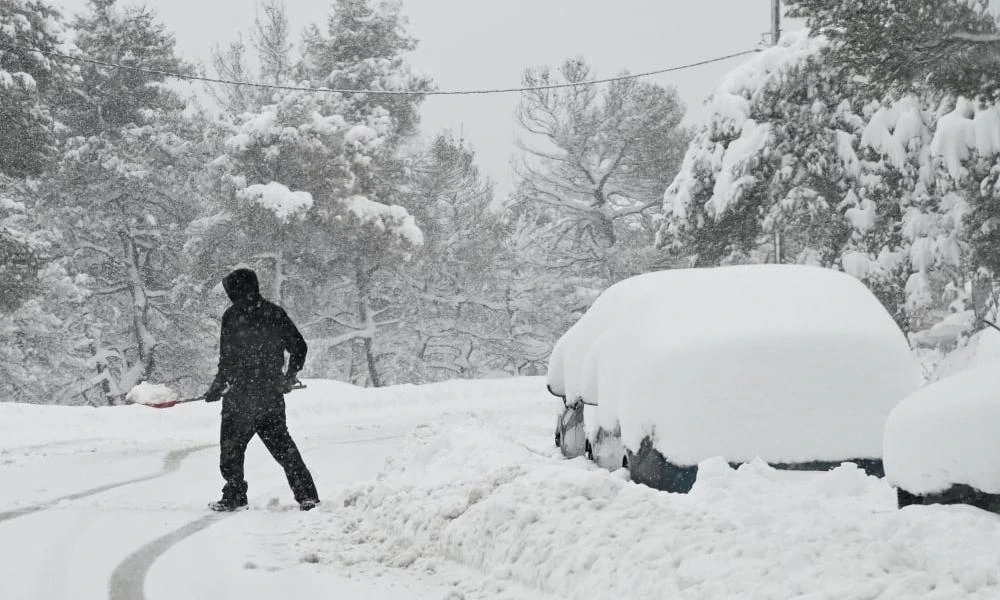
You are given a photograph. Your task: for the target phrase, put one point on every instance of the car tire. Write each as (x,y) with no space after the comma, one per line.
(588,451)
(905,498)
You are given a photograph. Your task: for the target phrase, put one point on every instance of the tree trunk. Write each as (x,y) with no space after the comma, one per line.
(362,280)
(101,367)
(278,285)
(145,342)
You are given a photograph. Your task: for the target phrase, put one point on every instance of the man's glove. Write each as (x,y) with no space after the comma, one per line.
(290,382)
(214,393)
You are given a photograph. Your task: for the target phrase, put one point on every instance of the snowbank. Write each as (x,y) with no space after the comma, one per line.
(468,492)
(788,363)
(321,404)
(946,434)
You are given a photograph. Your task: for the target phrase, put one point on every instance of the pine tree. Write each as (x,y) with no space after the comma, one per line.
(594,166)
(913,46)
(123,195)
(875,188)
(458,283)
(28,82)
(334,261)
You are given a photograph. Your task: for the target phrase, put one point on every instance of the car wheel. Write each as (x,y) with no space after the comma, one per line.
(588,450)
(558,439)
(905,498)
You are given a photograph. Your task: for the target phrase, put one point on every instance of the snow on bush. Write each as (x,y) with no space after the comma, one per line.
(788,363)
(280,200)
(946,434)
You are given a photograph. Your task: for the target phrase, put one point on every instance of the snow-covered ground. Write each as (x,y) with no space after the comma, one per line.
(445,491)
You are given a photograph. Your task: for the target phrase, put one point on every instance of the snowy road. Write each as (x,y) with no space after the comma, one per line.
(71,546)
(124,518)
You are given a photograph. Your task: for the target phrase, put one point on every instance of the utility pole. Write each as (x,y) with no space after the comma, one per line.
(775,38)
(775,22)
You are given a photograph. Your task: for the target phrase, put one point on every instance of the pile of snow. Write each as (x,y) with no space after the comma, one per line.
(788,363)
(946,434)
(470,493)
(280,200)
(150,394)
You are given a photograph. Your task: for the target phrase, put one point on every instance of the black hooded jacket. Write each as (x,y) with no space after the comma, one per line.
(255,336)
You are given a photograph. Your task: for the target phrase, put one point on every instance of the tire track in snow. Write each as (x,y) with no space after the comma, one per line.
(128,580)
(47,445)
(171,463)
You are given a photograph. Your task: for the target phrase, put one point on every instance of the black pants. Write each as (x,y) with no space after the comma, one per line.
(243,416)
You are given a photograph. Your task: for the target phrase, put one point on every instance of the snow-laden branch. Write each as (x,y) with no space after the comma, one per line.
(115,289)
(98,249)
(976,38)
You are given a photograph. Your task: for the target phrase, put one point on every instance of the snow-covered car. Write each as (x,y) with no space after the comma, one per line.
(799,366)
(942,444)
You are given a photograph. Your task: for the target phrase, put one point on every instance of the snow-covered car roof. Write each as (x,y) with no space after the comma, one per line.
(789,363)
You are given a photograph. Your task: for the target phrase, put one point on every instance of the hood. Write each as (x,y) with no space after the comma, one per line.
(242,286)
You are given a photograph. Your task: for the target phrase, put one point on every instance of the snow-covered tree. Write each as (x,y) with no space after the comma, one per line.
(462,316)
(27,79)
(271,38)
(41,304)
(595,163)
(946,45)
(942,51)
(123,200)
(762,177)
(109,98)
(799,163)
(308,188)
(364,47)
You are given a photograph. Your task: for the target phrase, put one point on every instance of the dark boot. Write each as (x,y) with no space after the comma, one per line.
(229,504)
(308,504)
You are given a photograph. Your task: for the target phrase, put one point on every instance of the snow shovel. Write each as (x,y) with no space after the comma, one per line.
(160,396)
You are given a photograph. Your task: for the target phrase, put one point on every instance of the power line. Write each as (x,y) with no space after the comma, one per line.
(472,92)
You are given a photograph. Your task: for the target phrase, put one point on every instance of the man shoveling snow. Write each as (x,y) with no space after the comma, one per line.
(255,336)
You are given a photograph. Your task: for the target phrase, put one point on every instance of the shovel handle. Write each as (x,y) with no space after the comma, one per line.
(171,403)
(990,323)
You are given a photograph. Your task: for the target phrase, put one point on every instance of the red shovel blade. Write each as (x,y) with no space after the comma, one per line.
(162,404)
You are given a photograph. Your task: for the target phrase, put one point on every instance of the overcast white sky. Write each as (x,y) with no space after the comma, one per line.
(476,43)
